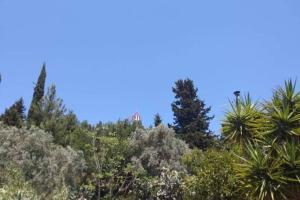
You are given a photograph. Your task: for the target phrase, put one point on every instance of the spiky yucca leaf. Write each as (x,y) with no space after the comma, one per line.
(261,176)
(290,154)
(282,114)
(240,124)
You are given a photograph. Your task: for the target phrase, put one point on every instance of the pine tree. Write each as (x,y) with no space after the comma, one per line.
(191,120)
(157,120)
(53,112)
(34,113)
(15,115)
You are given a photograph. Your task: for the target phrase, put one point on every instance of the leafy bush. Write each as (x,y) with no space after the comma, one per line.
(166,186)
(156,149)
(212,176)
(46,166)
(169,185)
(14,186)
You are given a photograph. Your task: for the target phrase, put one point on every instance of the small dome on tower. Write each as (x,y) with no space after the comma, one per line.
(136,117)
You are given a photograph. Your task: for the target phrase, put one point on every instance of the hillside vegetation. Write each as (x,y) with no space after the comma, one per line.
(48,153)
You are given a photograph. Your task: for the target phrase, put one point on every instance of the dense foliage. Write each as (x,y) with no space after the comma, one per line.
(34,114)
(47,167)
(15,115)
(269,138)
(191,120)
(50,154)
(157,120)
(212,175)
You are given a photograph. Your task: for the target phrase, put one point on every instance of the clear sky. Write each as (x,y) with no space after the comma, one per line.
(112,58)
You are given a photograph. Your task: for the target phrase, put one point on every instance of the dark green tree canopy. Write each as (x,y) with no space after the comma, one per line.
(56,118)
(157,120)
(190,113)
(191,120)
(34,112)
(15,115)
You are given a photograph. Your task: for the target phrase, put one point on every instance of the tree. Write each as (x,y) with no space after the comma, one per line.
(157,120)
(34,113)
(109,159)
(56,119)
(121,129)
(191,118)
(15,115)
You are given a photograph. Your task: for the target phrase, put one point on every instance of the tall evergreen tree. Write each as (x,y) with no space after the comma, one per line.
(191,118)
(34,113)
(55,117)
(157,120)
(15,115)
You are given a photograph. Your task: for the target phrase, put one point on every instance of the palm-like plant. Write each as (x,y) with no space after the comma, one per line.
(271,169)
(240,124)
(290,155)
(261,176)
(282,114)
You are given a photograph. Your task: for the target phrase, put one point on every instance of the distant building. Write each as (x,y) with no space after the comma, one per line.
(136,117)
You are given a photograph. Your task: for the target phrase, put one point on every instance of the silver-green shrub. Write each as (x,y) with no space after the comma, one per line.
(46,166)
(156,149)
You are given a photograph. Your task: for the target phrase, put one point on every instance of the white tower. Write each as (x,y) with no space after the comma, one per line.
(136,117)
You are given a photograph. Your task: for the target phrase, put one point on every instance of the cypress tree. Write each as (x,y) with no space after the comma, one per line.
(191,118)
(34,113)
(15,115)
(157,120)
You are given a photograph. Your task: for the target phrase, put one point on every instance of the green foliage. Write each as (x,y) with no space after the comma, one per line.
(46,166)
(212,176)
(157,120)
(15,115)
(261,176)
(34,113)
(282,114)
(107,158)
(121,129)
(270,172)
(14,186)
(290,155)
(191,114)
(58,157)
(169,185)
(156,149)
(55,118)
(269,167)
(193,160)
(144,186)
(166,186)
(198,140)
(241,122)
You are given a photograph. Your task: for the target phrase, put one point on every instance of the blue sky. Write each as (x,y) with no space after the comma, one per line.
(110,59)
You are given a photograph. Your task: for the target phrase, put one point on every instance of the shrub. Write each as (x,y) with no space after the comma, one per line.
(14,186)
(212,176)
(46,166)
(156,149)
